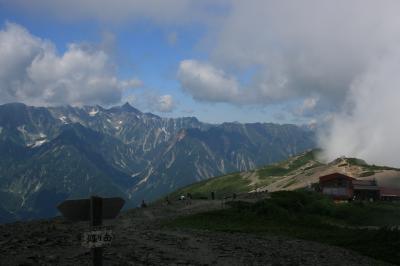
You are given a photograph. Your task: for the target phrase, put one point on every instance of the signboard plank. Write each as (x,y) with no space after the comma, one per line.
(79,209)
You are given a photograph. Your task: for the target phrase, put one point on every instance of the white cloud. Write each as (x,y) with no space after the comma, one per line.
(165,103)
(31,71)
(308,107)
(207,83)
(368,128)
(298,49)
(301,48)
(152,101)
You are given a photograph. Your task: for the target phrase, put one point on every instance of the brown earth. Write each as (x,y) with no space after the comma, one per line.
(141,240)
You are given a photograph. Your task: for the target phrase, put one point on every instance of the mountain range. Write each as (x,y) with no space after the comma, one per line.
(49,154)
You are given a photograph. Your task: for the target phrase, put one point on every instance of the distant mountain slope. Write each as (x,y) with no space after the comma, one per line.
(67,167)
(50,154)
(297,172)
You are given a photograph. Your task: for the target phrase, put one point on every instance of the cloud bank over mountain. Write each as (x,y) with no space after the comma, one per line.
(368,126)
(341,57)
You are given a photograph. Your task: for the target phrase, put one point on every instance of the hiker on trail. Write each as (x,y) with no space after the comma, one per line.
(167,201)
(189,199)
(143,205)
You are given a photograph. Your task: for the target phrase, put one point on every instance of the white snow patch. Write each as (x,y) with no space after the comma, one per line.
(169,164)
(164,130)
(93,112)
(37,187)
(144,180)
(22,129)
(39,143)
(120,122)
(121,163)
(135,174)
(63,119)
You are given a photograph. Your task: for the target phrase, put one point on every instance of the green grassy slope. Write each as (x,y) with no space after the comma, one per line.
(296,172)
(248,181)
(310,216)
(222,185)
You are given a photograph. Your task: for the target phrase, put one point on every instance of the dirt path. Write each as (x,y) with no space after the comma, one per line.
(141,241)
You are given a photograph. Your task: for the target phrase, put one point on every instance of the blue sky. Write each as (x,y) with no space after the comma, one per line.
(151,52)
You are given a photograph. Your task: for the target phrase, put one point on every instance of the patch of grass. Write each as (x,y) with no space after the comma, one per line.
(369,167)
(312,166)
(356,161)
(221,186)
(291,182)
(368,173)
(368,214)
(265,181)
(283,169)
(273,170)
(302,160)
(310,216)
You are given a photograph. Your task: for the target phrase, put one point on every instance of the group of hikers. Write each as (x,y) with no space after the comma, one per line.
(187,199)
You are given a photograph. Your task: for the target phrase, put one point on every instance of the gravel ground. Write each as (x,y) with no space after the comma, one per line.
(139,240)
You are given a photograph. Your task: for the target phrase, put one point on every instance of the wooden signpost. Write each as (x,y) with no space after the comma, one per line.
(94,210)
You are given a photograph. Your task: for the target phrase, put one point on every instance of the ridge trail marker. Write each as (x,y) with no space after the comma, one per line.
(94,209)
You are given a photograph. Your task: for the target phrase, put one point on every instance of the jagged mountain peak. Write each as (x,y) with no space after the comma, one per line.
(126,107)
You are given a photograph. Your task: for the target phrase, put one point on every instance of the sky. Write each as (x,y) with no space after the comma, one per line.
(328,63)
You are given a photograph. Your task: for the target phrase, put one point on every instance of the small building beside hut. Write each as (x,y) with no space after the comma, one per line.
(365,190)
(389,194)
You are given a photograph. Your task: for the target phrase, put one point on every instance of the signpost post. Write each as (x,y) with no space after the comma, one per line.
(96,219)
(94,210)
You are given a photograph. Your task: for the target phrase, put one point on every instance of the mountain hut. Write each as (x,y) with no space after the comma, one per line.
(336,185)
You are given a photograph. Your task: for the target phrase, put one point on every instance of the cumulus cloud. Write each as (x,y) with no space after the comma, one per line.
(297,49)
(152,101)
(301,48)
(207,83)
(165,103)
(32,71)
(308,107)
